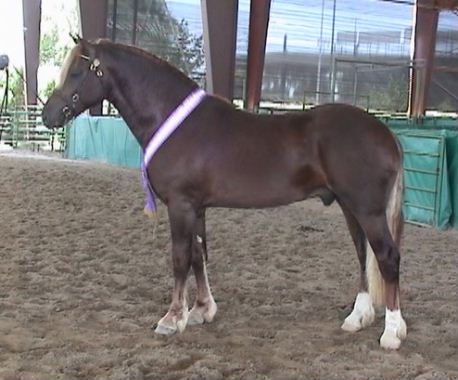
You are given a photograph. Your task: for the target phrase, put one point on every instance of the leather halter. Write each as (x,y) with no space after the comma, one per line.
(69,109)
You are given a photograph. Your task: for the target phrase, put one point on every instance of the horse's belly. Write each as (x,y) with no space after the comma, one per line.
(257,190)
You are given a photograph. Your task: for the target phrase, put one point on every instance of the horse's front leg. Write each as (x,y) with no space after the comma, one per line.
(182,223)
(204,308)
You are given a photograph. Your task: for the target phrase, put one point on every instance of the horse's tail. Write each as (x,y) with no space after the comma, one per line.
(395,220)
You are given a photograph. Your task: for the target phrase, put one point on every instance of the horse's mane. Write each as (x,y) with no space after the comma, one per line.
(71,54)
(133,50)
(113,46)
(129,48)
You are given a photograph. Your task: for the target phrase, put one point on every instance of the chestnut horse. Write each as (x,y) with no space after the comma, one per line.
(224,157)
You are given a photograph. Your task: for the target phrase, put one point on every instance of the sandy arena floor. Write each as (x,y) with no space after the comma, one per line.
(82,281)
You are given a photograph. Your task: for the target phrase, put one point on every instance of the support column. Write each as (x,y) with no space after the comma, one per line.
(424,38)
(93,17)
(220,38)
(31,18)
(259,21)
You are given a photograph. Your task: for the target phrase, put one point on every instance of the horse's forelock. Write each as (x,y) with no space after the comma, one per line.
(67,63)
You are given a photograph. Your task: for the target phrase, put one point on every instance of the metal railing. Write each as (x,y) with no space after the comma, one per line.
(23,128)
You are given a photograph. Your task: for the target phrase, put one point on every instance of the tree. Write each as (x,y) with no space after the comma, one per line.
(50,87)
(161,34)
(50,50)
(51,53)
(55,41)
(17,90)
(190,49)
(392,97)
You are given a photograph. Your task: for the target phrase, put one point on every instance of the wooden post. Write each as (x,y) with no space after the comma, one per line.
(220,37)
(31,18)
(93,16)
(259,21)
(424,37)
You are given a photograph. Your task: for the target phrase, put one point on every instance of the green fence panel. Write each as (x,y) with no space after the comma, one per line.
(105,139)
(429,189)
(451,142)
(443,126)
(425,122)
(437,122)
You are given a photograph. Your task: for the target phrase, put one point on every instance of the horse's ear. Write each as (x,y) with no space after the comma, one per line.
(87,48)
(76,38)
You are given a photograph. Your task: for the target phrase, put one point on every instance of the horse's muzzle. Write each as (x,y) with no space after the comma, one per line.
(52,115)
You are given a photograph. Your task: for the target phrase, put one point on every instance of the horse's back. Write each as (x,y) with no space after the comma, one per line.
(322,135)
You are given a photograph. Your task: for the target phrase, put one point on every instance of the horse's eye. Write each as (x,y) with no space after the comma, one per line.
(75,74)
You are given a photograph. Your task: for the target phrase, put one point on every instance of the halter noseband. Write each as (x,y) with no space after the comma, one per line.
(68,110)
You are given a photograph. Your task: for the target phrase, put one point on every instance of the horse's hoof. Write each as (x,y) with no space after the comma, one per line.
(195,317)
(349,326)
(181,324)
(165,330)
(358,320)
(395,330)
(203,314)
(402,331)
(390,341)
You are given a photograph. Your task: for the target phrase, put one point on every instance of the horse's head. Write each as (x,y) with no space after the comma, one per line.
(81,85)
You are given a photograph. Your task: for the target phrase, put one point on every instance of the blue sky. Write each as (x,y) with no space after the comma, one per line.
(300,20)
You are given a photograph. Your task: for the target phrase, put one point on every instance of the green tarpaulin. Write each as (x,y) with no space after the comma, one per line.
(105,139)
(431,176)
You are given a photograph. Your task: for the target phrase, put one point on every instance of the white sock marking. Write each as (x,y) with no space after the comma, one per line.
(362,315)
(395,330)
(393,320)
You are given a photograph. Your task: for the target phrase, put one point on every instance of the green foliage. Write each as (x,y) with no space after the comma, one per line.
(161,34)
(391,97)
(17,90)
(50,87)
(50,50)
(447,105)
(185,50)
(55,38)
(190,49)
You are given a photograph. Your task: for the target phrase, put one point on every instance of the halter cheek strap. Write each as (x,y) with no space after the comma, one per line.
(173,121)
(69,109)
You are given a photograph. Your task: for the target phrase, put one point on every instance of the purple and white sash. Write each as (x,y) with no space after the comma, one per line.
(170,124)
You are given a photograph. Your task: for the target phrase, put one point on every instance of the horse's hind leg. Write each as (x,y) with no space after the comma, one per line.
(204,308)
(182,223)
(388,258)
(363,311)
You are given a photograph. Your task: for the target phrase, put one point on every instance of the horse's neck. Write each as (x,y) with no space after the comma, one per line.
(145,98)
